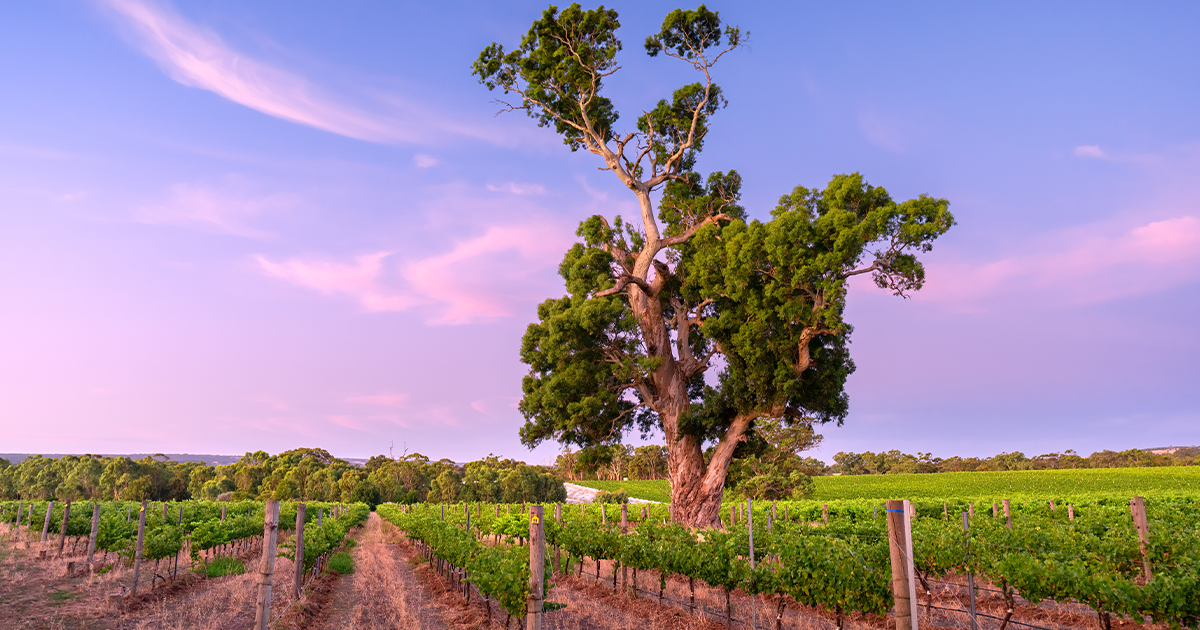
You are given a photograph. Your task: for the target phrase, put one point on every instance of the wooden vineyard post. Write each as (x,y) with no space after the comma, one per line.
(603,514)
(175,568)
(537,568)
(945,512)
(971,511)
(875,512)
(299,588)
(46,525)
(443,511)
(970,574)
(92,536)
(732,516)
(321,513)
(825,513)
(62,530)
(262,607)
(1137,505)
(222,513)
(1008,513)
(1051,505)
(897,522)
(497,509)
(994,513)
(624,518)
(557,550)
(1071,512)
(164,507)
(137,550)
(750,528)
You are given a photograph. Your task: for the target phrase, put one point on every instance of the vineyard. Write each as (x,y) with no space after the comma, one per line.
(836,557)
(1082,561)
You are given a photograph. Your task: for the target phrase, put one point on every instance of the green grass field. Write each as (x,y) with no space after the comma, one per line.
(1108,482)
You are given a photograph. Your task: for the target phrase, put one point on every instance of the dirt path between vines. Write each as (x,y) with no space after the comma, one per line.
(383,591)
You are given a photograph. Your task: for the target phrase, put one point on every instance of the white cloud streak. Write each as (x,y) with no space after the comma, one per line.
(198,58)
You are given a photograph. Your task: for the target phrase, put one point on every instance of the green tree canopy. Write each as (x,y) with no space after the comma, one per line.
(652,307)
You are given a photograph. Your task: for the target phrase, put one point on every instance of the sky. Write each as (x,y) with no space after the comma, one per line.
(230,226)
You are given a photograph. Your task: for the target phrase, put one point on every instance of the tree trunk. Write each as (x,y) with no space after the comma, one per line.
(695,489)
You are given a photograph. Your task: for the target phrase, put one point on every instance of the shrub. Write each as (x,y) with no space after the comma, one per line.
(605,496)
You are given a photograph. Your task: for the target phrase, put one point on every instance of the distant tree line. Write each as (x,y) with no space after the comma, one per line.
(310,474)
(895,462)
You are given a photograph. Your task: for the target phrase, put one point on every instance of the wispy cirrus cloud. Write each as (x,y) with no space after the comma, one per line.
(199,58)
(227,209)
(384,400)
(1084,266)
(1089,150)
(479,279)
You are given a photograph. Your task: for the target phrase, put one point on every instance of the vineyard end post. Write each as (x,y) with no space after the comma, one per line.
(896,517)
(970,574)
(46,525)
(537,568)
(137,550)
(262,607)
(299,588)
(92,536)
(1137,505)
(62,530)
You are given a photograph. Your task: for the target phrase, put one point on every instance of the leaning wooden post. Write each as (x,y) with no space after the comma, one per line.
(137,551)
(537,568)
(1008,513)
(262,608)
(92,536)
(1137,505)
(46,525)
(299,550)
(62,529)
(897,547)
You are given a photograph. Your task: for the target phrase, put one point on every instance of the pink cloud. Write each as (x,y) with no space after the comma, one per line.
(385,400)
(1090,150)
(482,278)
(1090,267)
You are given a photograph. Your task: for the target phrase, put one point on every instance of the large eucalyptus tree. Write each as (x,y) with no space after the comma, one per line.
(694,286)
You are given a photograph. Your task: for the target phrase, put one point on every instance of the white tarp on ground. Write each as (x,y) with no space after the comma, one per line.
(580,494)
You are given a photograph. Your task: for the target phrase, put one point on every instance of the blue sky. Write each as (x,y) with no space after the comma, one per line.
(229,226)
